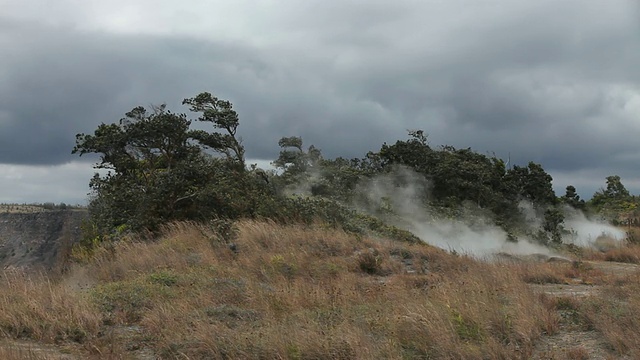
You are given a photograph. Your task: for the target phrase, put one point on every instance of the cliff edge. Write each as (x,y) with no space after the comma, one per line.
(38,240)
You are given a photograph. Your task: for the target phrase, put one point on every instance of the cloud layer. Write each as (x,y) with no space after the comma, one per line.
(547,81)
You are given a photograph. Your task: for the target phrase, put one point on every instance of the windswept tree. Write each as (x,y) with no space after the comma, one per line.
(159,169)
(294,158)
(221,115)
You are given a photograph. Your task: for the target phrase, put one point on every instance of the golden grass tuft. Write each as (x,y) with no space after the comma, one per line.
(31,306)
(578,353)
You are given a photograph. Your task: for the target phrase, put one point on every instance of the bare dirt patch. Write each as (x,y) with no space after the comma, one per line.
(567,342)
(615,268)
(21,349)
(574,340)
(577,290)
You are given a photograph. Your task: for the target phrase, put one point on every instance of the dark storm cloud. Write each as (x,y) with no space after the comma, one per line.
(58,82)
(548,81)
(62,82)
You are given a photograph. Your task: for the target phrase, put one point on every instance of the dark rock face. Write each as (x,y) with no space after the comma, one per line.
(38,240)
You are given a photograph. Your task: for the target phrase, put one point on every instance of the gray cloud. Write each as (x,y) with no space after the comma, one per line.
(552,82)
(66,183)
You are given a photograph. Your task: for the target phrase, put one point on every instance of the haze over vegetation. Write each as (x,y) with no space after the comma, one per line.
(533,80)
(161,169)
(436,179)
(191,252)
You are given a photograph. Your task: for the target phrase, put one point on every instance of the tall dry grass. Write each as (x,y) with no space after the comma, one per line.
(295,293)
(624,253)
(615,251)
(615,315)
(299,292)
(32,306)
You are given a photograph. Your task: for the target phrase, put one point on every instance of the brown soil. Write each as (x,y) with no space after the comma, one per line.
(573,341)
(21,349)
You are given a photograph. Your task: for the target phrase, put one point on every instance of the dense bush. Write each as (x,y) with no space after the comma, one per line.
(162,170)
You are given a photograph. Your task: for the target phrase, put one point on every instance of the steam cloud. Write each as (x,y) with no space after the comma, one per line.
(399,197)
(587,232)
(473,233)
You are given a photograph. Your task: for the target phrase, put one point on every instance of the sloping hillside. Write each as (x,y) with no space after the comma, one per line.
(311,292)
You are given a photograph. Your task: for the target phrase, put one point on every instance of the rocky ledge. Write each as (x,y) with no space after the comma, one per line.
(38,240)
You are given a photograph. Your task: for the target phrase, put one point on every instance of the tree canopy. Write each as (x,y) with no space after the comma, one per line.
(160,169)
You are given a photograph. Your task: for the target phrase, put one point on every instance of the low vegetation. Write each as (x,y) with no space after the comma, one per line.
(278,292)
(303,292)
(622,252)
(34,208)
(161,170)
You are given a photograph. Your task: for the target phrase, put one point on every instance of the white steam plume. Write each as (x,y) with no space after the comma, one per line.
(404,191)
(589,233)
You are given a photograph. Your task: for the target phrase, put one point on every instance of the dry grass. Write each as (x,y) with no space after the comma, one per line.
(292,293)
(541,273)
(21,350)
(624,254)
(311,293)
(628,252)
(610,311)
(616,316)
(32,307)
(578,353)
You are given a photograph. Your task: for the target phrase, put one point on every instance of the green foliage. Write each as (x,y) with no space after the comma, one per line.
(615,203)
(457,177)
(160,171)
(164,277)
(613,195)
(52,206)
(572,198)
(462,178)
(129,300)
(553,219)
(295,164)
(531,183)
(221,115)
(89,241)
(149,157)
(466,328)
(310,210)
(615,189)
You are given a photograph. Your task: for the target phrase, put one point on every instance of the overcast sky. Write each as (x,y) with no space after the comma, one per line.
(556,82)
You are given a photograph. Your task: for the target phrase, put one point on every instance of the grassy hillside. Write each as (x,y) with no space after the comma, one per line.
(310,293)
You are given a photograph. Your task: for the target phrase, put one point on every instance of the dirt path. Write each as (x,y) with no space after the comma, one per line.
(572,341)
(615,268)
(21,349)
